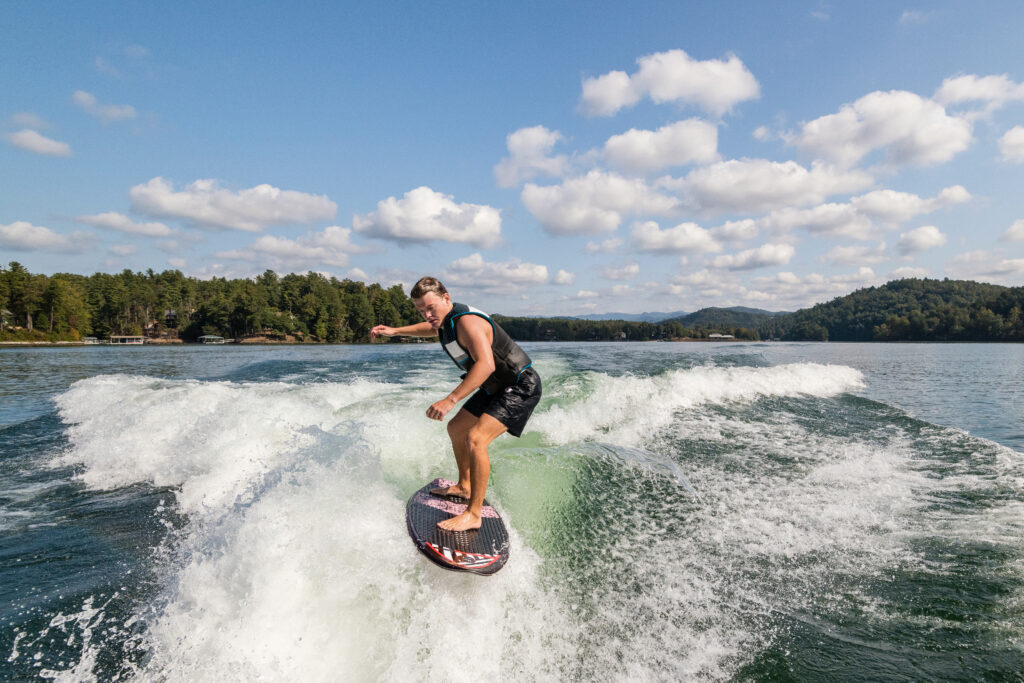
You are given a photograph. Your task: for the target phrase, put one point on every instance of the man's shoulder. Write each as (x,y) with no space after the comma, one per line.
(461,310)
(474,319)
(474,322)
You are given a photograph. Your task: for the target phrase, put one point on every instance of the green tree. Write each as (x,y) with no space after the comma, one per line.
(360,311)
(5,289)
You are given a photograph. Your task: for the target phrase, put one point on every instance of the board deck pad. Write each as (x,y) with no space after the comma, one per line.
(480,551)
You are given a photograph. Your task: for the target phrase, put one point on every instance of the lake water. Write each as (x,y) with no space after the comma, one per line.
(678,511)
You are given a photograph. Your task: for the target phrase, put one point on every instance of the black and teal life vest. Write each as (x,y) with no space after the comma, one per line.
(509,359)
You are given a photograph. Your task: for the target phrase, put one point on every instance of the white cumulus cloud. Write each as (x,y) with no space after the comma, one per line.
(423,215)
(700,278)
(24,236)
(837,220)
(714,85)
(529,156)
(123,249)
(857,218)
(40,144)
(988,266)
(104,112)
(907,272)
(995,91)
(677,144)
(920,239)
(1011,145)
(855,255)
(207,205)
(112,220)
(593,204)
(736,231)
(626,272)
(892,207)
(914,130)
(685,237)
(759,185)
(329,247)
(1014,233)
(609,246)
(564,277)
(474,272)
(765,255)
(795,291)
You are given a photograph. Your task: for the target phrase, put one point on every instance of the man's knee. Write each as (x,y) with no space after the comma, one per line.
(477,440)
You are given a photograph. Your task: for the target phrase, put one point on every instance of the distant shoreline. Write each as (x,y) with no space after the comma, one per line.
(49,344)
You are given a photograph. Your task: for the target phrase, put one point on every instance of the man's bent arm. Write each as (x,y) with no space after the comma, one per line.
(476,335)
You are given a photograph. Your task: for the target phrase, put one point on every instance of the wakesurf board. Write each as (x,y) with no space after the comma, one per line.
(480,551)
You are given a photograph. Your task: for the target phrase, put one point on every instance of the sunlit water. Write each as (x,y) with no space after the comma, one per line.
(677,512)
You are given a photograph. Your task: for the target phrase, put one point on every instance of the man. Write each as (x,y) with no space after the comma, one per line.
(506,385)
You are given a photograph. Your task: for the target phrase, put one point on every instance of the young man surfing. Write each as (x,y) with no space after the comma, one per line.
(497,369)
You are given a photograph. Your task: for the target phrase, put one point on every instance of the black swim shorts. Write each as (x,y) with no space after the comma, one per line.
(512,406)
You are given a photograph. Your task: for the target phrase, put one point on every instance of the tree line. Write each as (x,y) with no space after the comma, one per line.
(312,307)
(574,329)
(307,307)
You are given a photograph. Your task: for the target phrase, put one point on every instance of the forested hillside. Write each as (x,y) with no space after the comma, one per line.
(910,310)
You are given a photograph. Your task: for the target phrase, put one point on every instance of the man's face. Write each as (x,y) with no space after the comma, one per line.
(433,308)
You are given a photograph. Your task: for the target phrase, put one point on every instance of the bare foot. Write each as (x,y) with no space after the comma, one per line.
(467,521)
(453,490)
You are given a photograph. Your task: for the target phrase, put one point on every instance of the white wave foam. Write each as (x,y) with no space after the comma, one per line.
(317,580)
(273,576)
(627,409)
(212,440)
(293,562)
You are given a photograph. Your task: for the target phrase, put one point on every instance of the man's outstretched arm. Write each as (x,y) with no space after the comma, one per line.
(422,329)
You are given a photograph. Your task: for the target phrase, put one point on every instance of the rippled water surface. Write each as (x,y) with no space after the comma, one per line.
(677,512)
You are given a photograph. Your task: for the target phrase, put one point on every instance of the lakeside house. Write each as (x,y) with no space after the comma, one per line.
(127,339)
(212,339)
(720,337)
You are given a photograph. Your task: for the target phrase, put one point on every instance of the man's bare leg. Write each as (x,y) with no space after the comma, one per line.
(458,431)
(480,436)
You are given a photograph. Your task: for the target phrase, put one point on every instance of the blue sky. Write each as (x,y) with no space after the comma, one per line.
(541,158)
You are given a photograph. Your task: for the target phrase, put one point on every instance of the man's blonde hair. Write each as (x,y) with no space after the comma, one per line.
(426,285)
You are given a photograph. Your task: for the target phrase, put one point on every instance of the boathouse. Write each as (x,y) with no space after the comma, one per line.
(127,339)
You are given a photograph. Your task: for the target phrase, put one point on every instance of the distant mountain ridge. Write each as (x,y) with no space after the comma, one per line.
(732,317)
(631,317)
(736,316)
